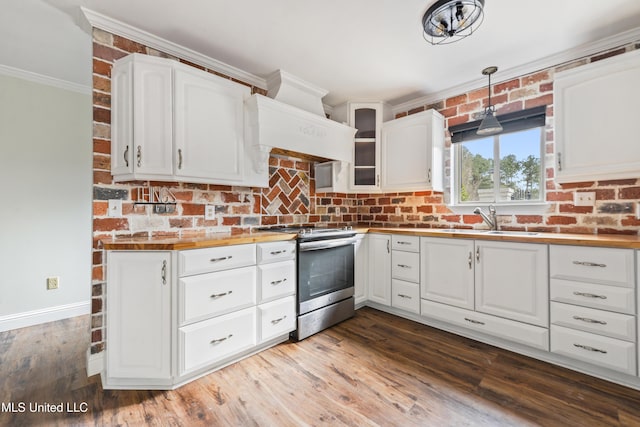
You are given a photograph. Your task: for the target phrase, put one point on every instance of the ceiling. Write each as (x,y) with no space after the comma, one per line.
(357,49)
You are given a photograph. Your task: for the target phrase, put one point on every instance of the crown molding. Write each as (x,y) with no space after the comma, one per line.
(98,20)
(45,80)
(576,53)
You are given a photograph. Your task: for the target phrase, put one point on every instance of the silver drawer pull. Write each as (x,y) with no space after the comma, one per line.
(277,252)
(588,295)
(589,264)
(277,282)
(276,321)
(216,296)
(588,348)
(404,266)
(404,296)
(221,258)
(400,242)
(219,340)
(476,322)
(587,320)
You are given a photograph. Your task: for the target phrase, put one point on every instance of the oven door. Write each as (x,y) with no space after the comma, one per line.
(325,272)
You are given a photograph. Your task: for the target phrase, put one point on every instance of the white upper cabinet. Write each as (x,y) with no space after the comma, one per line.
(596,112)
(173,122)
(412,152)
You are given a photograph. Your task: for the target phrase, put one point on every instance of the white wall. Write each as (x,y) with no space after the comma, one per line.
(45,201)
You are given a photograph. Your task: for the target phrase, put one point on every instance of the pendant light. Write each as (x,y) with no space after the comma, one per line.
(490,124)
(447,21)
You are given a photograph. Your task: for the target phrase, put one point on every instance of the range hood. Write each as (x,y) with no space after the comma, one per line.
(291,120)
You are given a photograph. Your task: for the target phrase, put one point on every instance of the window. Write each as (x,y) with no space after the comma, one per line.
(506,168)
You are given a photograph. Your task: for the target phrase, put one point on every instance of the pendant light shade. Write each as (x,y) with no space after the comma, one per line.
(490,124)
(447,21)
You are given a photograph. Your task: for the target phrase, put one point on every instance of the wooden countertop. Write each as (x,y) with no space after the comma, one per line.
(226,239)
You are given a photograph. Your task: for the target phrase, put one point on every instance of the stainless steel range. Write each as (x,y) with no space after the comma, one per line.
(325,277)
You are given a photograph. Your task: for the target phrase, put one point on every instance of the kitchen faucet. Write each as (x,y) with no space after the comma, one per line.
(491,220)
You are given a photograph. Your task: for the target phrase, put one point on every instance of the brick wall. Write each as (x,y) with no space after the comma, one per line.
(615,207)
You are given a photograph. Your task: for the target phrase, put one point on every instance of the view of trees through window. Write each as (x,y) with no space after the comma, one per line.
(501,168)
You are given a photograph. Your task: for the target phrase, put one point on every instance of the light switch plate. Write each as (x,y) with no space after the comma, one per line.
(115,208)
(209,212)
(584,198)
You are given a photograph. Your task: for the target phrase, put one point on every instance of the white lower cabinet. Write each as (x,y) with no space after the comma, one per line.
(380,268)
(165,328)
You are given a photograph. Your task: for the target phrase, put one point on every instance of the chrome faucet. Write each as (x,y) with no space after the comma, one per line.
(491,220)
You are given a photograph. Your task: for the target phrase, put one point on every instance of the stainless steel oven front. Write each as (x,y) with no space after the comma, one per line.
(325,283)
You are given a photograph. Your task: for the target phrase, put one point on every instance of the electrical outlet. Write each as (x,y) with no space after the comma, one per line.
(584,198)
(53,282)
(210,212)
(115,208)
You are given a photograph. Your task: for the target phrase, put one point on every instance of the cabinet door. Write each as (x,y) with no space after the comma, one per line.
(361,271)
(208,126)
(512,281)
(380,268)
(142,109)
(138,315)
(447,267)
(412,152)
(594,142)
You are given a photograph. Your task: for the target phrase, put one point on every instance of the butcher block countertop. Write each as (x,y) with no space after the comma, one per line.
(226,239)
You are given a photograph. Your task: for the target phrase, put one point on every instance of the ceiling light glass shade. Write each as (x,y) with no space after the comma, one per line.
(447,21)
(490,124)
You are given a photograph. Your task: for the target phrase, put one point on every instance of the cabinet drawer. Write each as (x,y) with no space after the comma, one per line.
(591,348)
(277,318)
(405,295)
(214,340)
(212,294)
(405,243)
(215,259)
(276,280)
(614,325)
(603,297)
(276,251)
(599,265)
(511,330)
(405,266)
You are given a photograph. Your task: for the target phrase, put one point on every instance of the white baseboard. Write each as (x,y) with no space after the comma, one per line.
(95,363)
(51,314)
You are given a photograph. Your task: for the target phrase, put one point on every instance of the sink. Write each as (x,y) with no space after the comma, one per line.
(513,233)
(458,230)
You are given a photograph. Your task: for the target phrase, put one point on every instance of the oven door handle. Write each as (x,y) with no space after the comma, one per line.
(326,244)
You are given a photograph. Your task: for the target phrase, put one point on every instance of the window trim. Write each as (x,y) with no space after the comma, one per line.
(511,122)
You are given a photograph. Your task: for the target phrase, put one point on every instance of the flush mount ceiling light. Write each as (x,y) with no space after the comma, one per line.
(490,124)
(447,21)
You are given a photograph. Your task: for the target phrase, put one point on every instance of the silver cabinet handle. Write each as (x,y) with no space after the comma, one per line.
(139,156)
(476,322)
(404,296)
(277,282)
(429,175)
(587,320)
(589,295)
(219,340)
(589,264)
(126,156)
(588,348)
(179,158)
(559,161)
(277,252)
(164,272)
(378,179)
(478,254)
(388,251)
(221,258)
(216,296)
(403,265)
(470,260)
(400,242)
(276,321)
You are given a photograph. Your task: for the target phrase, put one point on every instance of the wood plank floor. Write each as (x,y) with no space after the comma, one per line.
(372,370)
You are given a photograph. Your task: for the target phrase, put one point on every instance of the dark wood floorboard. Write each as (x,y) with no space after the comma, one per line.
(372,370)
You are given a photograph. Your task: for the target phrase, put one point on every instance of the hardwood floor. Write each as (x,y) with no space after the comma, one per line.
(372,370)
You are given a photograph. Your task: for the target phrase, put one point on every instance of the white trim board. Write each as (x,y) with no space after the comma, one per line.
(95,363)
(36,317)
(119,28)
(42,79)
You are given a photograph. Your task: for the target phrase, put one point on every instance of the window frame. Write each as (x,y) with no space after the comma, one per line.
(512,122)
